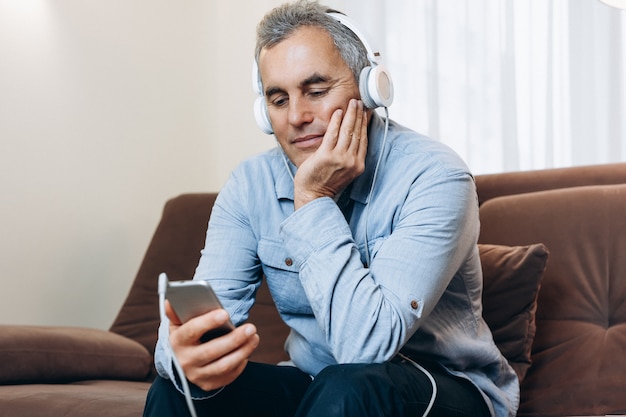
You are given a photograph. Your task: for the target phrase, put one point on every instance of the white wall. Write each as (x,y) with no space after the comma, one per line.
(107,109)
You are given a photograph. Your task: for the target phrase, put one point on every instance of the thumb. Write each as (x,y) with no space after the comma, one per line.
(171,314)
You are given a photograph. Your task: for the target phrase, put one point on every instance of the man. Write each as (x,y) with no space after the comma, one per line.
(374,267)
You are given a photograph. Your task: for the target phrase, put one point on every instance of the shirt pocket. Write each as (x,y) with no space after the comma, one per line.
(283,278)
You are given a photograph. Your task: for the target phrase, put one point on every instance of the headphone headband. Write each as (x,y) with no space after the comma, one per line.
(345,20)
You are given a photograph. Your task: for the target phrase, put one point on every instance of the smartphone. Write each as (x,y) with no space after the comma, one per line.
(193,298)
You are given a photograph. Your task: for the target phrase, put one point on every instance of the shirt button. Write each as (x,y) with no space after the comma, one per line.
(414,304)
(288,261)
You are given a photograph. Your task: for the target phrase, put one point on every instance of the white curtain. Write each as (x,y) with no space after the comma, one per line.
(509,84)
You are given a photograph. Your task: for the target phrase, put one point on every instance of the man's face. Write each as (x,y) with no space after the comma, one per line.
(305,80)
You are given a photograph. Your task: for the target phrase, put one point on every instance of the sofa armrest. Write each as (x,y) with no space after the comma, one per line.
(47,354)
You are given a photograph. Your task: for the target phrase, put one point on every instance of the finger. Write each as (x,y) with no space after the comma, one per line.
(348,124)
(363,139)
(237,345)
(218,362)
(209,381)
(357,135)
(171,314)
(230,364)
(191,331)
(197,355)
(332,131)
(217,374)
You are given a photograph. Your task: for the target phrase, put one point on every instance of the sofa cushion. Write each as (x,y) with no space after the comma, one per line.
(61,354)
(512,277)
(95,398)
(579,366)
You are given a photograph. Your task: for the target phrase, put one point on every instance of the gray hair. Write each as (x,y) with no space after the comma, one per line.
(282,21)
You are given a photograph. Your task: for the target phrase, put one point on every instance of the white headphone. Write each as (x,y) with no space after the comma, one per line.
(375,83)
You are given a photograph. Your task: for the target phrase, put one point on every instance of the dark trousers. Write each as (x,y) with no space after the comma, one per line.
(392,389)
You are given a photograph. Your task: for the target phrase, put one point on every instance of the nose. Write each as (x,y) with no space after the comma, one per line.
(300,111)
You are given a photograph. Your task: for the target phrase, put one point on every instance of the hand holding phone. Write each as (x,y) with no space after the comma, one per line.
(193,298)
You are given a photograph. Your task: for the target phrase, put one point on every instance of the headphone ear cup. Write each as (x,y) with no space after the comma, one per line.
(262,117)
(364,88)
(376,87)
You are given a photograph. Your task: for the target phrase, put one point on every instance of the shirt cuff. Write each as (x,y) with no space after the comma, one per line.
(312,227)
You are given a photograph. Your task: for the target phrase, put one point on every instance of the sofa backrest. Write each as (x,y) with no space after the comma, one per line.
(509,183)
(175,250)
(579,351)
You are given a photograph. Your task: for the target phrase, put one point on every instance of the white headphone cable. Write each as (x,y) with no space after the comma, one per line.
(369,196)
(367,257)
(430,378)
(179,369)
(284,157)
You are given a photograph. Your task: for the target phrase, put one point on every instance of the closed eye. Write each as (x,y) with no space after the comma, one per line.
(318,93)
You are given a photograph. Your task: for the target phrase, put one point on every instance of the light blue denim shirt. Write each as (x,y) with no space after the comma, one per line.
(421,292)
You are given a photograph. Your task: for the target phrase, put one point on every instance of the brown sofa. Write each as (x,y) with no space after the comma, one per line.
(553,247)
